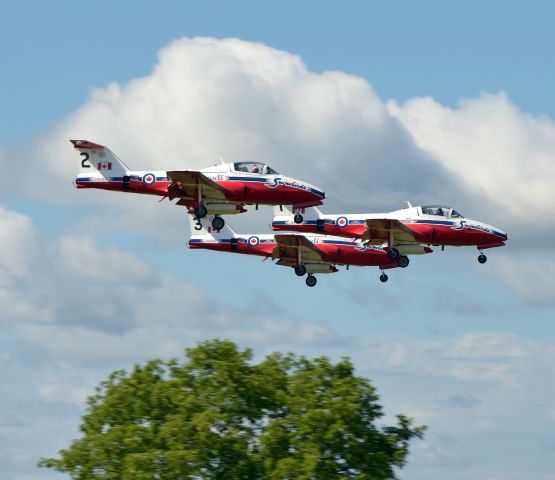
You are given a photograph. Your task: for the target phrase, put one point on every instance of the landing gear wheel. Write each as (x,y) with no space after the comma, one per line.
(311,280)
(383,278)
(393,253)
(298,218)
(403,261)
(201,211)
(218,223)
(482,258)
(300,270)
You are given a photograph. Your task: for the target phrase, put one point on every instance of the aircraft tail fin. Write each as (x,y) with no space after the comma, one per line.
(98,160)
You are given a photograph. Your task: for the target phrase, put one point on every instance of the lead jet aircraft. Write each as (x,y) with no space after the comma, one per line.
(306,254)
(400,232)
(216,190)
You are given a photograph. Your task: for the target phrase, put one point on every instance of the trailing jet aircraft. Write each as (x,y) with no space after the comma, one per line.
(306,254)
(400,232)
(216,190)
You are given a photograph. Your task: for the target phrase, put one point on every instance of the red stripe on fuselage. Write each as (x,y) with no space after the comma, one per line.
(258,192)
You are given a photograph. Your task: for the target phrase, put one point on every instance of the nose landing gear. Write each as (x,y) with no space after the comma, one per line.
(482,258)
(383,277)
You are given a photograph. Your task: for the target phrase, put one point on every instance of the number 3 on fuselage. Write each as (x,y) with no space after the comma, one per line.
(216,190)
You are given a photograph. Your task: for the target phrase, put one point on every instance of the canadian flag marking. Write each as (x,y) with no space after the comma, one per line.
(104,166)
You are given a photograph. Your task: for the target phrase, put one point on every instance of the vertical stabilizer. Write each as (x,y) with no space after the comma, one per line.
(98,160)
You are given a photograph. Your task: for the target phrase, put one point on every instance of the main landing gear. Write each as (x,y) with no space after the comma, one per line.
(300,270)
(298,218)
(201,211)
(393,253)
(218,223)
(311,280)
(403,261)
(482,258)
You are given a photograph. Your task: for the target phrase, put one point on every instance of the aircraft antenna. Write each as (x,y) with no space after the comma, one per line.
(408,203)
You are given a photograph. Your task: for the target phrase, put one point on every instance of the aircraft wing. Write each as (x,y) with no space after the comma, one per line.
(292,246)
(378,231)
(184,185)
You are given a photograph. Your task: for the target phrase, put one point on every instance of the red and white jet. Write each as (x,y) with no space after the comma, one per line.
(306,254)
(400,232)
(216,190)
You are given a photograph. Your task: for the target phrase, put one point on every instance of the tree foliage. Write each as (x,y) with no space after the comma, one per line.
(217,415)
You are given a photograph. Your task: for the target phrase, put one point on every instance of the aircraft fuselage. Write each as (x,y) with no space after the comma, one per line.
(242,188)
(427,229)
(337,251)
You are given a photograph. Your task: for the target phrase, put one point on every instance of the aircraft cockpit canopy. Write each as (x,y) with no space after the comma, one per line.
(254,167)
(440,211)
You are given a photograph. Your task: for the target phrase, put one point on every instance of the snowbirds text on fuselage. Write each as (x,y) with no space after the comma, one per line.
(216,190)
(306,254)
(398,231)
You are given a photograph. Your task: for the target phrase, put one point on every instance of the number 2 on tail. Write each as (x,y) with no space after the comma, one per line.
(84,162)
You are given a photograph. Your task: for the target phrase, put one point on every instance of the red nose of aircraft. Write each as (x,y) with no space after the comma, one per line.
(301,194)
(489,235)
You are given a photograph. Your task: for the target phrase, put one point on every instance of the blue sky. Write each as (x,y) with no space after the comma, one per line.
(445,50)
(377,103)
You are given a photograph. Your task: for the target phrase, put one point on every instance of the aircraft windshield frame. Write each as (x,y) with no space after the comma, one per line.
(440,211)
(254,167)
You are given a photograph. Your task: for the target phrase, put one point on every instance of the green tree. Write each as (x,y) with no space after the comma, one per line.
(217,415)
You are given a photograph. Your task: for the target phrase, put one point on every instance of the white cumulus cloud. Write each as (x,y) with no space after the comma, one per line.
(502,157)
(82,299)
